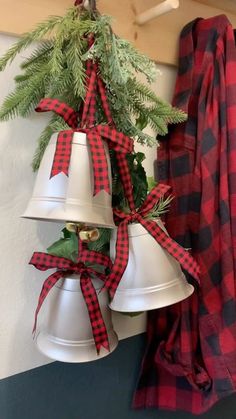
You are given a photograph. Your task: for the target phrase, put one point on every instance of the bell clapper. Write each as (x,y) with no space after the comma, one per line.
(74,227)
(89,234)
(85,233)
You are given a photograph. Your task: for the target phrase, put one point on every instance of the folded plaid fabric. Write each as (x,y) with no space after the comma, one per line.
(190,361)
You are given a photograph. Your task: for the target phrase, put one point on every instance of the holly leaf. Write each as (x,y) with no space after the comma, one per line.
(66,247)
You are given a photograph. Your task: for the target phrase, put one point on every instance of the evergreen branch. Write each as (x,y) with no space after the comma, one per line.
(144,138)
(10,106)
(74,52)
(57,69)
(138,61)
(158,124)
(161,207)
(33,92)
(59,84)
(55,125)
(145,93)
(101,245)
(27,39)
(25,97)
(62,36)
(38,55)
(170,114)
(22,78)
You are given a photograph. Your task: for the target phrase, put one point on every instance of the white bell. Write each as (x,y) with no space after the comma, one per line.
(67,333)
(152,279)
(64,198)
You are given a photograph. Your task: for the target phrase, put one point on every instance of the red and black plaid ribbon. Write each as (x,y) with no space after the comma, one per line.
(116,140)
(95,86)
(122,243)
(95,83)
(65,267)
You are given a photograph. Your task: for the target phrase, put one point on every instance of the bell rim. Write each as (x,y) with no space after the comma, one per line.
(137,229)
(76,277)
(158,287)
(55,344)
(79,138)
(143,299)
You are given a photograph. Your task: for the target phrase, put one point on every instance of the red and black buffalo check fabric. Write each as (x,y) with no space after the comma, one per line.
(190,362)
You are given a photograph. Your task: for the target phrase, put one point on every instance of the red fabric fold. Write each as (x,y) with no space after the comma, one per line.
(191,353)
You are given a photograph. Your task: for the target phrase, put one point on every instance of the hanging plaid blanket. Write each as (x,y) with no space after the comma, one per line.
(190,361)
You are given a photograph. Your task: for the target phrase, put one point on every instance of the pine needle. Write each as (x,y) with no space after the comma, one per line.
(55,125)
(27,39)
(161,207)
(56,68)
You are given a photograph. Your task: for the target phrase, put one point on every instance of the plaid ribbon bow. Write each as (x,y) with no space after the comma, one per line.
(122,243)
(118,141)
(61,162)
(65,267)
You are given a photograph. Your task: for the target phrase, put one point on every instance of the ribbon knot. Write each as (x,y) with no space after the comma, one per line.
(95,135)
(66,267)
(79,268)
(161,237)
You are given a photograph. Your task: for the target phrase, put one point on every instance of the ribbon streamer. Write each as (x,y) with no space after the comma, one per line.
(89,117)
(65,267)
(161,237)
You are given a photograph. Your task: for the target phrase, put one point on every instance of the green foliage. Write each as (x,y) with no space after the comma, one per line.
(56,68)
(66,247)
(138,178)
(37,34)
(151,183)
(103,244)
(160,208)
(56,124)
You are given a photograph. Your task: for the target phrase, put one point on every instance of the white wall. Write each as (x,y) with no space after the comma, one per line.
(20,284)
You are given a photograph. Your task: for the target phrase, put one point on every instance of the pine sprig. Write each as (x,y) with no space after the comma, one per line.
(26,96)
(38,55)
(160,208)
(27,39)
(56,68)
(74,52)
(56,124)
